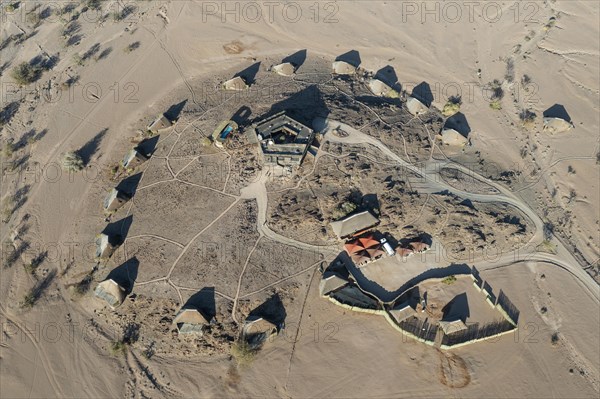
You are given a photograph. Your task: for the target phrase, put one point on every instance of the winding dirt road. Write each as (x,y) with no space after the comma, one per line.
(433,182)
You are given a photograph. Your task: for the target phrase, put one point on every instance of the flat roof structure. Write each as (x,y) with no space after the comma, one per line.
(453,326)
(331,283)
(354,224)
(283,140)
(402,312)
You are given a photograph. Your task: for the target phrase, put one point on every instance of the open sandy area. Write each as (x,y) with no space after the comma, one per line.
(520,204)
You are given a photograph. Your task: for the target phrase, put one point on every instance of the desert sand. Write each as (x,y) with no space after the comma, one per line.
(101,79)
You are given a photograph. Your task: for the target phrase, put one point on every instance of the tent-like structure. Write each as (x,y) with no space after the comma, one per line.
(453,138)
(556,125)
(104,247)
(415,106)
(419,246)
(159,124)
(190,321)
(237,83)
(114,200)
(343,68)
(364,249)
(133,159)
(404,252)
(285,69)
(453,326)
(402,312)
(354,224)
(379,88)
(111,292)
(257,325)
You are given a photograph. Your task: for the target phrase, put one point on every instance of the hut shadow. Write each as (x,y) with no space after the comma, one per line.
(242,115)
(204,301)
(388,75)
(296,59)
(125,274)
(117,231)
(459,123)
(457,308)
(89,149)
(426,238)
(422,92)
(441,272)
(249,74)
(490,291)
(304,106)
(557,111)
(271,310)
(148,146)
(352,57)
(174,110)
(371,202)
(130,184)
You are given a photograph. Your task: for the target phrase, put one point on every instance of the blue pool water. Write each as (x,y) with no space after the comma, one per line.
(225,132)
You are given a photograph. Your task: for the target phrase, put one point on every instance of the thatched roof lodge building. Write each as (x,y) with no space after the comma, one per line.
(354,224)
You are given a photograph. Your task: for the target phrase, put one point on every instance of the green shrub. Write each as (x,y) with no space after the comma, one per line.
(242,352)
(118,348)
(25,73)
(131,47)
(496,105)
(450,108)
(28,300)
(527,117)
(449,280)
(72,162)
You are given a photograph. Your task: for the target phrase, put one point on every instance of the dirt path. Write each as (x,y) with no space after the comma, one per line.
(435,183)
